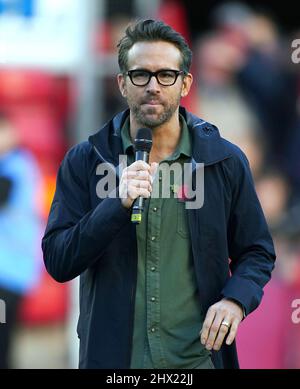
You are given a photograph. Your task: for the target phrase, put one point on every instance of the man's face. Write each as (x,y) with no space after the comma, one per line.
(153,104)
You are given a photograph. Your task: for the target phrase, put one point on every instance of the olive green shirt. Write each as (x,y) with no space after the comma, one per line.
(168,315)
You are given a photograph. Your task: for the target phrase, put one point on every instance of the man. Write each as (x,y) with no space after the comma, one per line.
(20,228)
(161,294)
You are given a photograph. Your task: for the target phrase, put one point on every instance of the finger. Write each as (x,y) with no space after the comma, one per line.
(223,331)
(139,165)
(124,187)
(207,324)
(214,329)
(233,331)
(134,192)
(141,184)
(143,193)
(138,175)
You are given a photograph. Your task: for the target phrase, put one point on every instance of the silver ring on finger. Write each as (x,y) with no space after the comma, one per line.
(225,323)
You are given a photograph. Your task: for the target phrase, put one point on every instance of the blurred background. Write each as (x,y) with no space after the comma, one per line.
(58,69)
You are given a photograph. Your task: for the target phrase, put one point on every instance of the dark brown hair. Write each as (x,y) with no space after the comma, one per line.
(152,30)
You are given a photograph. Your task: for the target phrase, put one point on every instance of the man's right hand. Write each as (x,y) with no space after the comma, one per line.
(136,181)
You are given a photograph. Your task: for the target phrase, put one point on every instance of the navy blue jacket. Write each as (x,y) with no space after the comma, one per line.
(95,239)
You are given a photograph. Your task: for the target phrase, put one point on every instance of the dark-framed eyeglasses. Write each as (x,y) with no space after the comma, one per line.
(165,77)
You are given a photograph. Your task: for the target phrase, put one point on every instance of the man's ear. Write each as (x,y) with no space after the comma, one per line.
(186,85)
(122,85)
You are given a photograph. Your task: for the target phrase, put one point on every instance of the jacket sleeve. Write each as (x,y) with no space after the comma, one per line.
(76,235)
(251,248)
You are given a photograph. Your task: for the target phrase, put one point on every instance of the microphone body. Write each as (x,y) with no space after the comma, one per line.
(143,144)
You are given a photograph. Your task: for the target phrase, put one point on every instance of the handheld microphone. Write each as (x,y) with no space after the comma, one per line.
(143,144)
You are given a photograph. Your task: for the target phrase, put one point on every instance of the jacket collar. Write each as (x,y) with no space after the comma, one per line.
(207,145)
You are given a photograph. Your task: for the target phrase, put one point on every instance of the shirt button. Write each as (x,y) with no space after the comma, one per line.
(160,178)
(152,238)
(153,268)
(154,209)
(152,329)
(153,299)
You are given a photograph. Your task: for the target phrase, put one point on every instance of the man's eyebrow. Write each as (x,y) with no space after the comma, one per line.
(159,70)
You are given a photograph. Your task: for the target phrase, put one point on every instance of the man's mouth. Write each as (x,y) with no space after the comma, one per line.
(152,102)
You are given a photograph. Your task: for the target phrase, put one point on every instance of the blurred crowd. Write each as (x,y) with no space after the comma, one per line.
(244,82)
(247,86)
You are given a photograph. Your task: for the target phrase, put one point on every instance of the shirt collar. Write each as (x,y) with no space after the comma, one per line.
(184,146)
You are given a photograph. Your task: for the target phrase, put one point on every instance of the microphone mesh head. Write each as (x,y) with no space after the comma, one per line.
(143,140)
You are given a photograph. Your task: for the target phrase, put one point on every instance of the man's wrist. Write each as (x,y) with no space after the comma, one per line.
(240,305)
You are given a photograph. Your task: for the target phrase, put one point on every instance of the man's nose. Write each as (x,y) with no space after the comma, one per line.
(153,85)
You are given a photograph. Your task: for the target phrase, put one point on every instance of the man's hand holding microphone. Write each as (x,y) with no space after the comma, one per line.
(136,181)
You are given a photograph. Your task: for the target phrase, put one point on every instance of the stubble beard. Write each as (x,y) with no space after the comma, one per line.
(145,120)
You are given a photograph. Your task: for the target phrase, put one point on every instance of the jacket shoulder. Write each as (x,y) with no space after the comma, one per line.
(78,162)
(79,150)
(236,167)
(235,151)
(237,160)
(211,130)
(79,155)
(210,147)
(236,157)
